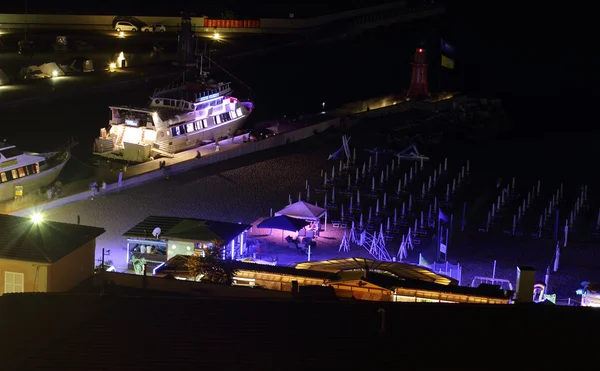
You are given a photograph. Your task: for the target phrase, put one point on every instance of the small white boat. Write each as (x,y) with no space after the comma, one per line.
(28,171)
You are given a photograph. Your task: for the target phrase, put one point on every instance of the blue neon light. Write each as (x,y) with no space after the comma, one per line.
(155,268)
(215,95)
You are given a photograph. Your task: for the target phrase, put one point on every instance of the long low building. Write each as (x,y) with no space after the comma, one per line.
(354,278)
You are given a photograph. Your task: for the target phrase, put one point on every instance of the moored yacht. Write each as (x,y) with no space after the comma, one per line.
(179,117)
(27,171)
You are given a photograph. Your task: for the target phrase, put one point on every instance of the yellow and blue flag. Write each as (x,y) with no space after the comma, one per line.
(447,62)
(449,50)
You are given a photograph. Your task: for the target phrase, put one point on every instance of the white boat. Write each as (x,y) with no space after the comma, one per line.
(179,117)
(28,170)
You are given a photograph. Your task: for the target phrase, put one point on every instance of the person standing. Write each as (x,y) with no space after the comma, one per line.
(94,189)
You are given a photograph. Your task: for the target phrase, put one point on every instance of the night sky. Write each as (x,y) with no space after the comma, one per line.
(538,59)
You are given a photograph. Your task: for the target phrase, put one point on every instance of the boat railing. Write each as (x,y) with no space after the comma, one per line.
(174,87)
(167,89)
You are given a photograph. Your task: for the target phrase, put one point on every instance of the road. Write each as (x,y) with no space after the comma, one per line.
(86,41)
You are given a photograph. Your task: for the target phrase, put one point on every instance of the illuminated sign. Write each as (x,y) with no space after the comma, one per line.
(215,95)
(9,163)
(131,123)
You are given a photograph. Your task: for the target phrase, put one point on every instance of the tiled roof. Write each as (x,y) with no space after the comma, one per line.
(93,332)
(46,242)
(401,270)
(186,228)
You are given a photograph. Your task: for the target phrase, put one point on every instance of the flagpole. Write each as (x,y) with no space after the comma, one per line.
(439,237)
(439,76)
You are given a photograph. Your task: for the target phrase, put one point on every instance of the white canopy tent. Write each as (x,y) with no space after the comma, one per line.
(304,210)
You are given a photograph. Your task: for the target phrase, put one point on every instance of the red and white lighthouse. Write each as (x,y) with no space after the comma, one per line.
(419,87)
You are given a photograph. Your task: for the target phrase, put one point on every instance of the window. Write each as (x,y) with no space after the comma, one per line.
(239,112)
(14,174)
(182,129)
(3,177)
(190,127)
(11,152)
(217,120)
(174,131)
(204,123)
(13,282)
(233,115)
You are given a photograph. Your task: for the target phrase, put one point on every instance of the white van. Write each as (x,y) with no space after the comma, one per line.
(125,26)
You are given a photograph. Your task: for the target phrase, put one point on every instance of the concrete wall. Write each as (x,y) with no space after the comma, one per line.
(34,274)
(88,22)
(72,269)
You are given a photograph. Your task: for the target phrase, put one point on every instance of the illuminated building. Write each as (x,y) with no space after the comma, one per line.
(355,278)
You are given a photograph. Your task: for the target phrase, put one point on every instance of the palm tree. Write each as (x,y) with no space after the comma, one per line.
(208,266)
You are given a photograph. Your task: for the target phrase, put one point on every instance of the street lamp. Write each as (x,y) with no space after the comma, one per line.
(37,218)
(208,48)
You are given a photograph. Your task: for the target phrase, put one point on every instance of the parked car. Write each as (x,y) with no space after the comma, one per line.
(154,28)
(159,28)
(125,27)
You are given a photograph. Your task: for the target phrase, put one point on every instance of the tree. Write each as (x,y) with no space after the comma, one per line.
(138,264)
(208,266)
(228,14)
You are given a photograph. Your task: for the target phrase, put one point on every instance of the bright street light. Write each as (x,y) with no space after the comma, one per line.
(37,218)
(216,36)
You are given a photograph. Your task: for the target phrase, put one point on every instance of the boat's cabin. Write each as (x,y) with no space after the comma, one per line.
(8,151)
(15,164)
(134,117)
